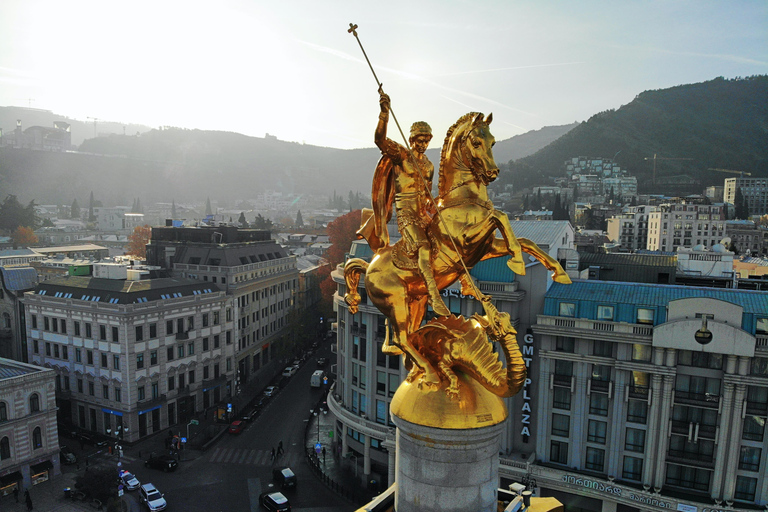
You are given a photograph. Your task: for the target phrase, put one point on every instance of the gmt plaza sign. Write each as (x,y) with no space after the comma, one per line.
(526,409)
(614,490)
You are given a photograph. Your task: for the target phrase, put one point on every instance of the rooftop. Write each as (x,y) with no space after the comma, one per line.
(115,291)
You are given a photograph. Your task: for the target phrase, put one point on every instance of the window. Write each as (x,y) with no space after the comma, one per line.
(598,404)
(169,327)
(46,323)
(567,309)
(63,326)
(115,334)
(700,359)
(34,403)
(141,393)
(754,426)
(205,319)
(35,347)
(89,357)
(78,355)
(561,398)
(637,411)
(635,440)
(561,425)
(104,360)
(633,468)
(602,348)
(745,488)
(641,352)
(216,320)
(169,353)
(47,348)
(3,411)
(64,352)
(171,383)
(645,316)
(697,388)
(103,332)
(5,448)
(595,459)
(191,376)
(34,326)
(190,348)
(152,331)
(205,370)
(139,333)
(759,366)
(105,392)
(381,383)
(749,458)
(601,373)
(205,344)
(115,362)
(118,395)
(182,383)
(155,390)
(605,313)
(79,385)
(558,452)
(139,361)
(180,351)
(564,368)
(762,326)
(688,477)
(216,340)
(190,323)
(596,431)
(563,344)
(91,389)
(88,333)
(37,438)
(76,324)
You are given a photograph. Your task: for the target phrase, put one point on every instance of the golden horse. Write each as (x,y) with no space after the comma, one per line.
(464,231)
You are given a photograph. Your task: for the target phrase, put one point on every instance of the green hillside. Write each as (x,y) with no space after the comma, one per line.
(716,124)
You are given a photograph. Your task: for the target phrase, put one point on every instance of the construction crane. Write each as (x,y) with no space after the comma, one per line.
(95,125)
(741,173)
(656,157)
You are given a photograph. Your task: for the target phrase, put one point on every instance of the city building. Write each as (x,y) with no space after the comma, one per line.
(754,190)
(260,276)
(14,281)
(630,228)
(649,396)
(117,218)
(676,225)
(367,379)
(58,138)
(747,237)
(29,439)
(133,356)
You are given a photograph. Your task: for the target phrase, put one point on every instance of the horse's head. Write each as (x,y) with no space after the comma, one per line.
(468,146)
(477,144)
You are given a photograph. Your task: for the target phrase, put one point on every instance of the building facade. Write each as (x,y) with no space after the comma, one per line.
(685,225)
(14,281)
(630,229)
(132,356)
(29,439)
(754,190)
(649,397)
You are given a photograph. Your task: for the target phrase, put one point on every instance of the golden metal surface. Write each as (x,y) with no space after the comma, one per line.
(454,376)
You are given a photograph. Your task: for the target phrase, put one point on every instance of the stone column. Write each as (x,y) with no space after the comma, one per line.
(662,442)
(344,444)
(444,470)
(726,416)
(737,424)
(654,430)
(391,451)
(367,456)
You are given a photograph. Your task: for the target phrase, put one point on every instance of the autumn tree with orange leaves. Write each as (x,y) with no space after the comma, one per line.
(23,237)
(138,240)
(341,234)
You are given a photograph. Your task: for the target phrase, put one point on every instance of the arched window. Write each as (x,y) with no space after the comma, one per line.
(34,403)
(37,438)
(3,411)
(5,448)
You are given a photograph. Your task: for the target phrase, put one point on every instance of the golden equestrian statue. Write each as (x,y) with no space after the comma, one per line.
(441,240)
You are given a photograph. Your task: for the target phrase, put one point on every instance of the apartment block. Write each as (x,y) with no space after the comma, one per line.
(676,225)
(630,228)
(754,190)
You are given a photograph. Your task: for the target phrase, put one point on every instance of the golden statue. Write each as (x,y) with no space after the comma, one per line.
(462,234)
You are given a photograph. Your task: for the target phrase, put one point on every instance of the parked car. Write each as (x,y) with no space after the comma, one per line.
(321,362)
(290,371)
(66,456)
(251,415)
(129,481)
(164,462)
(270,391)
(284,478)
(275,502)
(152,497)
(236,427)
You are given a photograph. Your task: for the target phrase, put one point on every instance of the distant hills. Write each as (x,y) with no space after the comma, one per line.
(716,124)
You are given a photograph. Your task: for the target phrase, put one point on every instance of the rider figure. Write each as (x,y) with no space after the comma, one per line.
(412,182)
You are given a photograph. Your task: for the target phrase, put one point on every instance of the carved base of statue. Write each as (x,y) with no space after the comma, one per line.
(446,470)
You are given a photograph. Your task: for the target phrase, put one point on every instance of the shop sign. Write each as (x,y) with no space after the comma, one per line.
(526,410)
(618,491)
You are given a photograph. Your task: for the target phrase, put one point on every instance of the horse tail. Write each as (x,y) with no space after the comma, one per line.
(352,271)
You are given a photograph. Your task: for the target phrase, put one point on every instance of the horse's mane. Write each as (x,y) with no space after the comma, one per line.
(462,120)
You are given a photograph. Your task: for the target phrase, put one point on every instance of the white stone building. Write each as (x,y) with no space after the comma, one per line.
(676,225)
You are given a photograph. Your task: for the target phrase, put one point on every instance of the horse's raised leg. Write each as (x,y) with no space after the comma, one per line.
(548,261)
(423,372)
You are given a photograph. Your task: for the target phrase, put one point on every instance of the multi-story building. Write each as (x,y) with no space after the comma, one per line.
(261,277)
(14,281)
(29,439)
(367,379)
(117,218)
(649,396)
(747,237)
(630,228)
(132,356)
(685,225)
(754,190)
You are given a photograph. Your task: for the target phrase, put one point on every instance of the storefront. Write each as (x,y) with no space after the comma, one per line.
(40,472)
(9,482)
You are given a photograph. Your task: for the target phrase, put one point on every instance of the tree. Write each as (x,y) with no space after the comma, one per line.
(23,237)
(341,233)
(241,220)
(740,204)
(138,240)
(91,216)
(208,210)
(525,203)
(262,223)
(100,483)
(13,214)
(173,209)
(74,210)
(299,221)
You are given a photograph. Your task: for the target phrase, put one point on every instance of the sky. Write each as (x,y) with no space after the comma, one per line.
(291,68)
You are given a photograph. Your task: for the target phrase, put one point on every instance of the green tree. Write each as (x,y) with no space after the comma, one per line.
(13,214)
(243,223)
(299,221)
(74,210)
(208,210)
(91,204)
(262,223)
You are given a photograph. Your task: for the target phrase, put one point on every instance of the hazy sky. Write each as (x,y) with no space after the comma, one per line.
(290,68)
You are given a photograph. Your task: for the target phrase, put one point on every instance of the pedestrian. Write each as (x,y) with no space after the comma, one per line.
(29,499)
(280,446)
(16,493)
(323,454)
(272,454)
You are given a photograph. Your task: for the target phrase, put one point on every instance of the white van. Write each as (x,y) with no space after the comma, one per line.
(317,379)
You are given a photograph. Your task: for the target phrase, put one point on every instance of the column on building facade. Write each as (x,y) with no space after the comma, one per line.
(544,405)
(344,443)
(367,455)
(737,422)
(725,432)
(654,430)
(580,409)
(613,464)
(663,440)
(391,447)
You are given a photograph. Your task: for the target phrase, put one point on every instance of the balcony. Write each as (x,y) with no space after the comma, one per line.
(182,335)
(689,398)
(562,380)
(600,385)
(639,392)
(694,459)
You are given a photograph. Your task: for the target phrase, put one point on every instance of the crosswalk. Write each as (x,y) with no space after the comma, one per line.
(252,457)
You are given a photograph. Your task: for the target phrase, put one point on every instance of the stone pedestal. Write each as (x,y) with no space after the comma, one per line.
(447,470)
